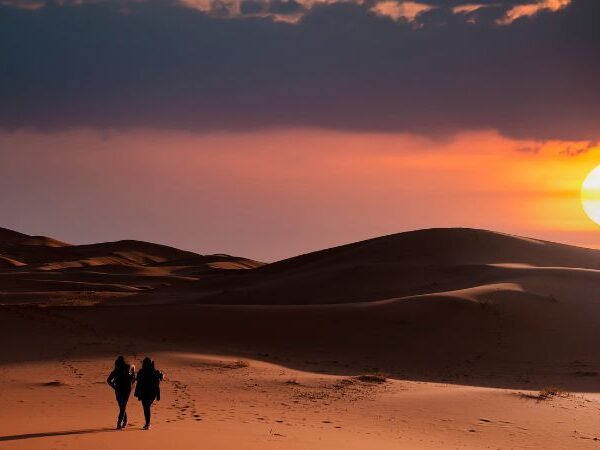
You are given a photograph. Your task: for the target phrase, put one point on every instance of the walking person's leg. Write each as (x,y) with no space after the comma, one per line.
(124,419)
(122,399)
(146,405)
(121,413)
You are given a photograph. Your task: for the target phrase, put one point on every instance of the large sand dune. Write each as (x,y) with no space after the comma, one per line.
(468,324)
(422,262)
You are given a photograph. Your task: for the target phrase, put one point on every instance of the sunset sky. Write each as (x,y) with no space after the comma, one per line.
(268,128)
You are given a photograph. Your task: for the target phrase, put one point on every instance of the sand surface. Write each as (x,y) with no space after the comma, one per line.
(464,328)
(236,402)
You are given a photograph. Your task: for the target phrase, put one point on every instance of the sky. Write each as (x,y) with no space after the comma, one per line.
(269,128)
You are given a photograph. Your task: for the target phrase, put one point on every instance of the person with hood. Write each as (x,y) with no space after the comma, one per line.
(148,387)
(121,379)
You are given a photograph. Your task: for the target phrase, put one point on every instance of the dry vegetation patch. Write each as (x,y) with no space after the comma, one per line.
(239,364)
(376,377)
(550,392)
(546,393)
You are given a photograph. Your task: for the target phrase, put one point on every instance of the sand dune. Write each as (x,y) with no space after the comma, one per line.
(51,270)
(7,235)
(391,267)
(400,265)
(469,325)
(9,262)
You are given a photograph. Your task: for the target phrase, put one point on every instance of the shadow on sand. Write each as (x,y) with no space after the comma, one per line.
(17,437)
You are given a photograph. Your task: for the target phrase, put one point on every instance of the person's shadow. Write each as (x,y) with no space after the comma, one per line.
(17,437)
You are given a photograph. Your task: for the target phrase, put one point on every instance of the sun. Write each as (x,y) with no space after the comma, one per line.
(590,195)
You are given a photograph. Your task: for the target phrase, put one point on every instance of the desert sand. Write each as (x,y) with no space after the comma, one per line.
(442,338)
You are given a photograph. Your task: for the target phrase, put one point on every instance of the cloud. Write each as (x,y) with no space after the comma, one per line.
(339,65)
(467,8)
(400,10)
(530,149)
(579,148)
(531,9)
(512,12)
(292,11)
(278,10)
(562,148)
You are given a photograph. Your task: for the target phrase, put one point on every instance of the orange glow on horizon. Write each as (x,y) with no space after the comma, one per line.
(299,190)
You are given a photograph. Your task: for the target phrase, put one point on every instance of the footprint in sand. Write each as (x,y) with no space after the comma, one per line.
(183,403)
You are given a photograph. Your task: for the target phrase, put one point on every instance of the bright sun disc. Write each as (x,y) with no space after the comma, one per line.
(590,195)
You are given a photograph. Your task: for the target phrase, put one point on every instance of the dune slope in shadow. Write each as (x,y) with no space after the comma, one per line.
(435,261)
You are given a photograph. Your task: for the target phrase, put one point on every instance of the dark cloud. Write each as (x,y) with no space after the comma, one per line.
(578,149)
(272,8)
(530,149)
(251,7)
(109,64)
(285,7)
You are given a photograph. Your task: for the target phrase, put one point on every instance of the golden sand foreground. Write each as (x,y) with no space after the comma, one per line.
(222,403)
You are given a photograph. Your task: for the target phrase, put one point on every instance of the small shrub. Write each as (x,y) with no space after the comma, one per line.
(376,377)
(239,364)
(552,391)
(344,382)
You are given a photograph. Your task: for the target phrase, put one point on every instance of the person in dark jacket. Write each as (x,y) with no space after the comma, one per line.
(148,387)
(121,379)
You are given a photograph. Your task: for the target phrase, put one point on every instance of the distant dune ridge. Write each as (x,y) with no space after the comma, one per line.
(416,263)
(42,269)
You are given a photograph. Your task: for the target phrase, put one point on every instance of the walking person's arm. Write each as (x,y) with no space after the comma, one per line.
(111,380)
(159,377)
(132,374)
(137,392)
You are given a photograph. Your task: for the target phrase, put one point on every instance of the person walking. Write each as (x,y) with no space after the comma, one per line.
(148,387)
(121,379)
